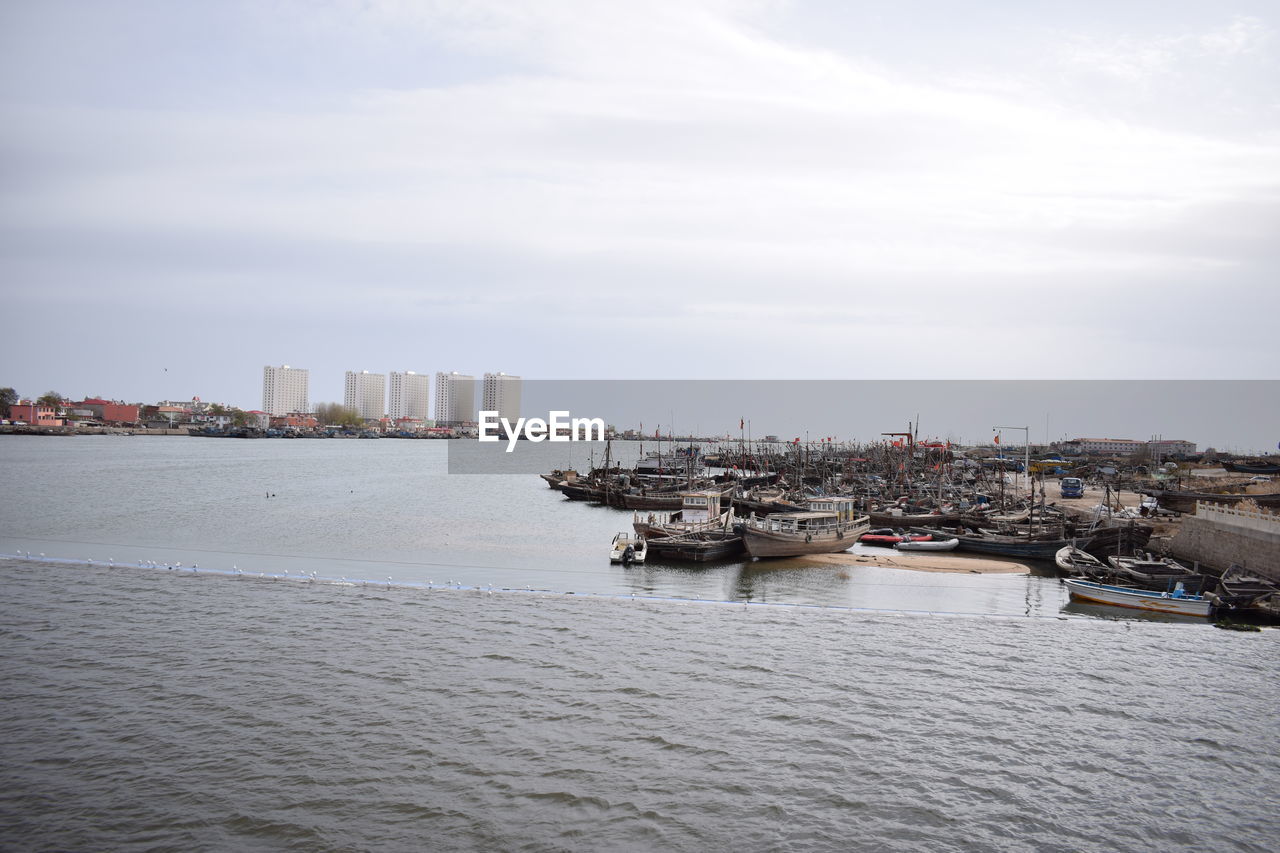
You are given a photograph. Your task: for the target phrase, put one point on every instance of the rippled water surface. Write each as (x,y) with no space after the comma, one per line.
(185,711)
(178,710)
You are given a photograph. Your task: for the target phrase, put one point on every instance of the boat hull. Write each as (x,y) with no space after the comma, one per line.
(696,549)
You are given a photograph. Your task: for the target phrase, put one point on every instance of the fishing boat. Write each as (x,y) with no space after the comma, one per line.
(1176,601)
(930,544)
(1075,561)
(699,512)
(899,518)
(581,490)
(1179,501)
(1150,569)
(697,547)
(829,526)
(627,549)
(1117,538)
(1251,468)
(988,542)
(685,460)
(763,501)
(1238,588)
(557,477)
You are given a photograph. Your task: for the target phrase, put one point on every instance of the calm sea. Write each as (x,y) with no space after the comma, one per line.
(147,708)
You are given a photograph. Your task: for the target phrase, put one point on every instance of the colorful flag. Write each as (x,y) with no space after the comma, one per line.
(997,438)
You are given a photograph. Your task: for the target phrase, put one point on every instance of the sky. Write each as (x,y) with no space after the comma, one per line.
(582,190)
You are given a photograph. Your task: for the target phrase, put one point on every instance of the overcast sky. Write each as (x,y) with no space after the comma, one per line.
(192,190)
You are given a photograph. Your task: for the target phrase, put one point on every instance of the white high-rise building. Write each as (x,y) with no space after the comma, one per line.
(366,393)
(410,395)
(502,395)
(285,390)
(455,399)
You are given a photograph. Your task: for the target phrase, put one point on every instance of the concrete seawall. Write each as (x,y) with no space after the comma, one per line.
(1220,536)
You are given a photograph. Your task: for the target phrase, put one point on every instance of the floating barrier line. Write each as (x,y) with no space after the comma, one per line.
(490,589)
(459,566)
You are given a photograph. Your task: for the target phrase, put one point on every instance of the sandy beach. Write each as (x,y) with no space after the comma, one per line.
(954,561)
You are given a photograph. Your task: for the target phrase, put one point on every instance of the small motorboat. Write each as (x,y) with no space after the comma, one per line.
(918,543)
(628,548)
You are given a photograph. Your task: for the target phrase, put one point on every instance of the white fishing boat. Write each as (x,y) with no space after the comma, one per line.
(1176,601)
(628,549)
(928,545)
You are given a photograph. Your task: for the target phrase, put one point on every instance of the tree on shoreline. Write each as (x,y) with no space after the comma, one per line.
(50,398)
(8,397)
(335,414)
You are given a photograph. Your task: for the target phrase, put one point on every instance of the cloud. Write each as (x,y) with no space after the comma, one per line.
(1140,59)
(533,166)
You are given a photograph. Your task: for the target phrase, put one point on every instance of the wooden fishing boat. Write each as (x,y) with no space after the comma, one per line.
(930,544)
(987,542)
(1150,569)
(794,534)
(1238,588)
(1186,501)
(647,500)
(699,512)
(1251,467)
(1177,601)
(557,478)
(891,518)
(581,490)
(697,547)
(764,502)
(829,525)
(1119,538)
(1075,561)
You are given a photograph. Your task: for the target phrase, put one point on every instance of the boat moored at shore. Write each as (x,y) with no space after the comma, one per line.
(1176,601)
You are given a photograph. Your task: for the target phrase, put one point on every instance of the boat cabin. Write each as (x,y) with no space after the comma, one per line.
(700,506)
(798,522)
(845,509)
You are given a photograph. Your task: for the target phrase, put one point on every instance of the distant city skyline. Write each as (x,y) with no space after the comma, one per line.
(1229,415)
